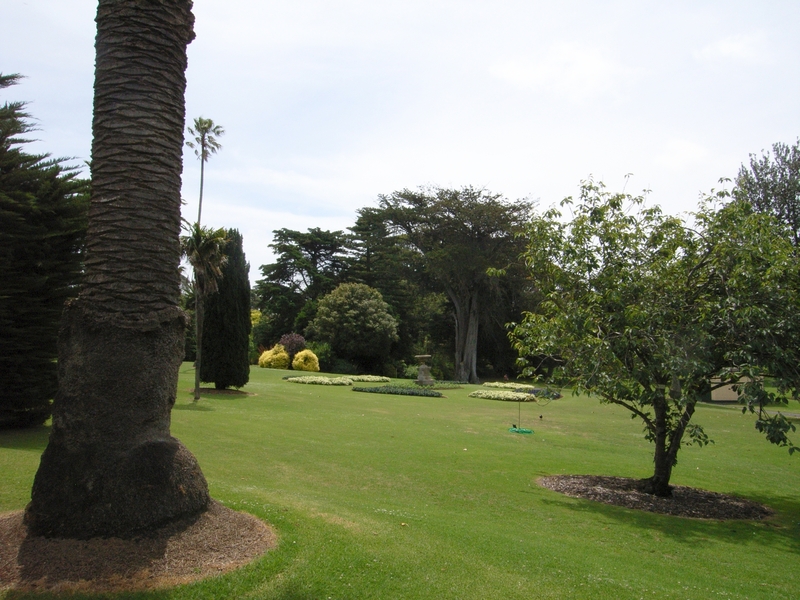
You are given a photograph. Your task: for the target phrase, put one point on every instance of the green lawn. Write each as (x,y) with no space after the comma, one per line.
(377,496)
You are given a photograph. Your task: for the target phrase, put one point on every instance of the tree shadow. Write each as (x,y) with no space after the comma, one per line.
(193,406)
(780,530)
(34,439)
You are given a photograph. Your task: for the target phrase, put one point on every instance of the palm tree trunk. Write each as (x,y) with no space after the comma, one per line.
(202,173)
(111,467)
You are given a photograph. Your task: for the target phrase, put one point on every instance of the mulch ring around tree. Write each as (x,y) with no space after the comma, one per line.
(685,501)
(217,541)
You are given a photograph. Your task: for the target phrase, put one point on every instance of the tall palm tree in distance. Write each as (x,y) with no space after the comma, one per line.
(203,247)
(204,144)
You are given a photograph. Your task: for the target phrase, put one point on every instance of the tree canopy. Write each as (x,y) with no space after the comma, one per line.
(462,236)
(356,322)
(771,184)
(43,216)
(644,311)
(308,266)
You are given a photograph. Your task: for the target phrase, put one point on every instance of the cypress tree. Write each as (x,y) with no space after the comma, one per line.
(43,208)
(226,325)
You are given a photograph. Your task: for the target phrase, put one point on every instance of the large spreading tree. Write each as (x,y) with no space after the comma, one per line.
(111,467)
(645,312)
(308,265)
(226,326)
(43,206)
(463,236)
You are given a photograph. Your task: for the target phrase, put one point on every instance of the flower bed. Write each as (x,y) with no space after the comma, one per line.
(370,379)
(316,380)
(503,395)
(524,388)
(507,385)
(399,391)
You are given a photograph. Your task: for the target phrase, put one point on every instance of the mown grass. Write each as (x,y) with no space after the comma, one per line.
(377,496)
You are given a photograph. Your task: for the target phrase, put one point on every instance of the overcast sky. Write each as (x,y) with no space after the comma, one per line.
(327,104)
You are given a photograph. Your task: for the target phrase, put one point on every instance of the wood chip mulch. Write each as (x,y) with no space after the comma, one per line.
(217,541)
(685,501)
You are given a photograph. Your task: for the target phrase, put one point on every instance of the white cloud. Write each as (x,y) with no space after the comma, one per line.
(569,70)
(678,154)
(749,48)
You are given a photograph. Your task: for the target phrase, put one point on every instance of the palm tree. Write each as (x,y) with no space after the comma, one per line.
(111,467)
(205,144)
(204,248)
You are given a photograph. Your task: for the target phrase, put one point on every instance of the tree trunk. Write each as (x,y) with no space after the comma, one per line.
(202,173)
(199,307)
(111,467)
(667,446)
(466,351)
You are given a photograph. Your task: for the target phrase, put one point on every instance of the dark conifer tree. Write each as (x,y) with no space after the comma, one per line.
(43,206)
(226,326)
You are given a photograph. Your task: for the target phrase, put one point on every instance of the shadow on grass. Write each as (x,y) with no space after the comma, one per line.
(782,530)
(193,406)
(34,439)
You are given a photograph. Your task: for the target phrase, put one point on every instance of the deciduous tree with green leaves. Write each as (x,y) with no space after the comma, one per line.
(772,185)
(356,322)
(644,311)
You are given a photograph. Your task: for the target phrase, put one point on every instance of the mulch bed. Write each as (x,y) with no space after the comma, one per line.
(217,541)
(685,501)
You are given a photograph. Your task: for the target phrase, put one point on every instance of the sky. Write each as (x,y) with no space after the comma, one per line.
(328,104)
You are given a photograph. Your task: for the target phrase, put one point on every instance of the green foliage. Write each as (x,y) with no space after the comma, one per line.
(308,266)
(343,367)
(43,217)
(463,235)
(411,372)
(397,390)
(644,311)
(324,354)
(203,247)
(274,358)
(228,321)
(356,322)
(771,184)
(305,360)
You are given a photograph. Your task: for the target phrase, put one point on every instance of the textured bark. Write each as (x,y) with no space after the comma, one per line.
(111,467)
(466,351)
(666,448)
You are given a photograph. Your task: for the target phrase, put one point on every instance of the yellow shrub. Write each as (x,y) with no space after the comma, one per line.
(305,360)
(274,358)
